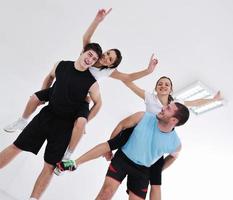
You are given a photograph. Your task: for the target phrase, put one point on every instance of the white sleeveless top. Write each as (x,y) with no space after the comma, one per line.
(99,74)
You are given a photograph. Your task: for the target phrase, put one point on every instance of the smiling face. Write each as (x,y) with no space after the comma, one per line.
(163,86)
(108,58)
(88,58)
(167,113)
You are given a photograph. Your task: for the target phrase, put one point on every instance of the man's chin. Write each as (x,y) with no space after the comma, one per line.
(85,66)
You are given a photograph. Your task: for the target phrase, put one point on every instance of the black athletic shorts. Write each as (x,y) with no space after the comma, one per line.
(120,140)
(155,169)
(44,95)
(137,175)
(46,126)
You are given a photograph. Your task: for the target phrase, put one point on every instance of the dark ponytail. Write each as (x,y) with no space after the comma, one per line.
(170,98)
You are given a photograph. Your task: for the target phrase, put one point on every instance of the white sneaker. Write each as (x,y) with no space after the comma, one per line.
(18,125)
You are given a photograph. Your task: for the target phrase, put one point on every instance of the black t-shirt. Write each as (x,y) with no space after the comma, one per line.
(70,89)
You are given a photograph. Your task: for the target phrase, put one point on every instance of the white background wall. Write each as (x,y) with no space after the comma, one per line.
(193,41)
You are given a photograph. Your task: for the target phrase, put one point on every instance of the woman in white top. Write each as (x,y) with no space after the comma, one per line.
(162,96)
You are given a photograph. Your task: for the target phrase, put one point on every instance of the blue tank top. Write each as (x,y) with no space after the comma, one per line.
(147,143)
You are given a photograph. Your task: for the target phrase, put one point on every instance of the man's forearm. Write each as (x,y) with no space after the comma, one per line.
(94,110)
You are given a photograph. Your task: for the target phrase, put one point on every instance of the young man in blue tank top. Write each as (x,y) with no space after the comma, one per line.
(55,121)
(152,137)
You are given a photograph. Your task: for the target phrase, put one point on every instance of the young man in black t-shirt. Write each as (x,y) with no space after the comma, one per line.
(55,121)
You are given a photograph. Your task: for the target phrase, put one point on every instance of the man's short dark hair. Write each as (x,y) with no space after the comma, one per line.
(182,114)
(95,47)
